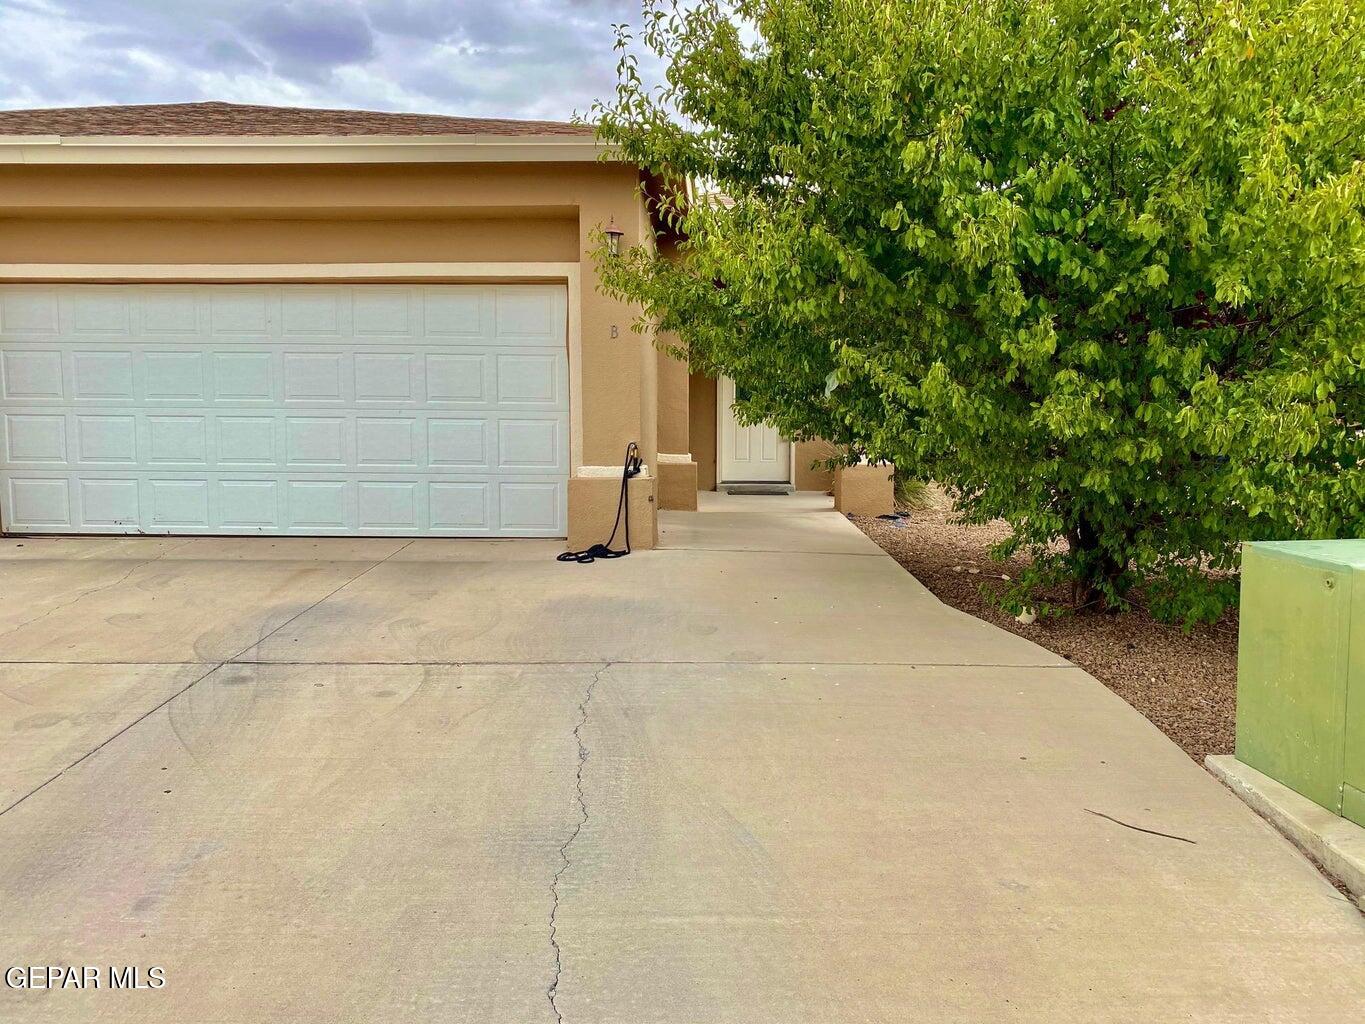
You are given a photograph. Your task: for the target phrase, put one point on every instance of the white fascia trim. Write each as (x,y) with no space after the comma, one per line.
(297,149)
(199,272)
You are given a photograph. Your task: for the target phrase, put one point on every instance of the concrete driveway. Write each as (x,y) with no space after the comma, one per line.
(758,775)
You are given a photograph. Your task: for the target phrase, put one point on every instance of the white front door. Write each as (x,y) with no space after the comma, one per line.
(411,410)
(750,454)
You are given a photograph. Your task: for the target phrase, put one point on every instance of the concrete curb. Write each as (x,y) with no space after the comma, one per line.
(1336,844)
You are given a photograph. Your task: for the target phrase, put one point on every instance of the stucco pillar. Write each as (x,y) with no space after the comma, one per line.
(701,400)
(677,468)
(617,376)
(611,363)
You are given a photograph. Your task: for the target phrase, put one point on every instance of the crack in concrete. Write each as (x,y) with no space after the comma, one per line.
(552,992)
(1139,828)
(92,590)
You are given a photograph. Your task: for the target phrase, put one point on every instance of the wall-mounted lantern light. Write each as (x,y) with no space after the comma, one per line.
(614,238)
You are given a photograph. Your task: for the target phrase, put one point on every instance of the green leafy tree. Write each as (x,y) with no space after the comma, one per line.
(1097,265)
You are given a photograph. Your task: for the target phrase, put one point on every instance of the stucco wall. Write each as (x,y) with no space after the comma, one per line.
(162,240)
(702,420)
(300,190)
(675,428)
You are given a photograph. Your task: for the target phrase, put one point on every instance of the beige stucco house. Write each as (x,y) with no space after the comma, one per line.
(230,319)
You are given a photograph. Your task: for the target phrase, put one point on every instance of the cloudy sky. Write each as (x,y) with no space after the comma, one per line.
(510,58)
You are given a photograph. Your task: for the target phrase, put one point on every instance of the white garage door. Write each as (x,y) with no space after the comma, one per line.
(242,409)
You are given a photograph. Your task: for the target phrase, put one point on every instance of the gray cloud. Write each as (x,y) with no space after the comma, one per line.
(306,40)
(516,58)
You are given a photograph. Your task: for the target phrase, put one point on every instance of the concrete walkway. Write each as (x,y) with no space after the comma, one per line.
(758,775)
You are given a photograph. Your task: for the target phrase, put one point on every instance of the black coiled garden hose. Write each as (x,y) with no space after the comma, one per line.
(630,468)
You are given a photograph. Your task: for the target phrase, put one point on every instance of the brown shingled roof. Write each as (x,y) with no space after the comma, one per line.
(244,119)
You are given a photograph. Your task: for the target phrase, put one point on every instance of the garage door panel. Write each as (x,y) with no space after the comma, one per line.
(303,409)
(31,376)
(529,444)
(171,312)
(310,312)
(29,312)
(40,502)
(249,505)
(316,442)
(174,376)
(530,378)
(34,439)
(464,379)
(387,441)
(313,377)
(460,506)
(175,440)
(320,505)
(108,503)
(240,313)
(178,504)
(530,506)
(244,377)
(386,378)
(246,441)
(387,505)
(96,312)
(385,313)
(102,375)
(106,440)
(456,314)
(457,443)
(526,316)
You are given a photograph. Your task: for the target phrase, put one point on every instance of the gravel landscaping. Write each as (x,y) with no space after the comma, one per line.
(1185,683)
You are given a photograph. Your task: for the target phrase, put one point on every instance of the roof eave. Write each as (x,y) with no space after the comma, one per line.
(301,149)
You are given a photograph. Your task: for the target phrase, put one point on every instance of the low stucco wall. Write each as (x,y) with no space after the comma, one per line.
(809,475)
(593,502)
(865,490)
(677,486)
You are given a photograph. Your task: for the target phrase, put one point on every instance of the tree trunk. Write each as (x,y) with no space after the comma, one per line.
(1096,574)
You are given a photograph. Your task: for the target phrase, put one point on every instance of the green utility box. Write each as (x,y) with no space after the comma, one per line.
(1301,669)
